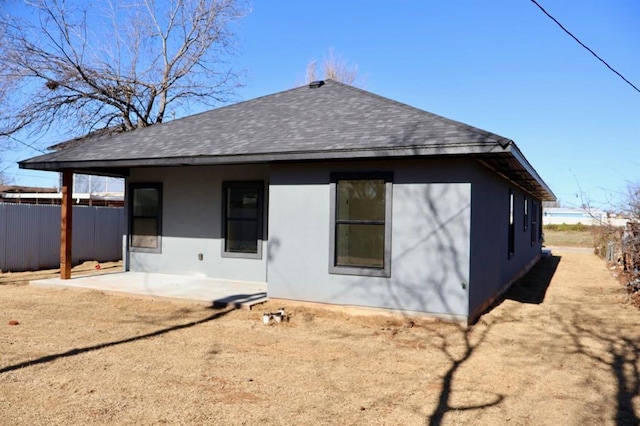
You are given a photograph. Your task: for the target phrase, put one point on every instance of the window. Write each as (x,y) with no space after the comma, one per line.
(242,219)
(145,223)
(361,224)
(540,233)
(534,223)
(526,214)
(512,241)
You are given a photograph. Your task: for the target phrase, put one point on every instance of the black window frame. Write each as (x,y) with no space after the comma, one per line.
(540,232)
(534,223)
(132,217)
(259,185)
(525,224)
(334,268)
(512,233)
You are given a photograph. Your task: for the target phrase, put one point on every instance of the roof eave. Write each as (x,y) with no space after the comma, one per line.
(40,163)
(120,167)
(515,151)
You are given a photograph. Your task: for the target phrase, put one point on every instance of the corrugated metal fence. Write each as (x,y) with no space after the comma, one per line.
(30,235)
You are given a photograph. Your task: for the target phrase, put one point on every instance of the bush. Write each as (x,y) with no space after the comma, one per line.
(578,227)
(603,236)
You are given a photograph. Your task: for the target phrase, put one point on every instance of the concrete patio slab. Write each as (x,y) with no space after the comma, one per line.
(218,293)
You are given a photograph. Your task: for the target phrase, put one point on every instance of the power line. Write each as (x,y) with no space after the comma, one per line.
(26,144)
(585,46)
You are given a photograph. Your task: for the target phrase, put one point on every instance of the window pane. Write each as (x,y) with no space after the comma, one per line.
(144,232)
(145,202)
(361,199)
(242,203)
(360,245)
(512,241)
(511,208)
(242,236)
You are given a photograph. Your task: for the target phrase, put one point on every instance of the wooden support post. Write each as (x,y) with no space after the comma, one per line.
(66,226)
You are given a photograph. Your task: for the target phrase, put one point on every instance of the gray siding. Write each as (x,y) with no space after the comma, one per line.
(30,235)
(449,238)
(430,238)
(492,269)
(191,223)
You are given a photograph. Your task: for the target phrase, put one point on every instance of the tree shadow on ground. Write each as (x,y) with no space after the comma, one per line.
(621,356)
(77,351)
(472,341)
(531,289)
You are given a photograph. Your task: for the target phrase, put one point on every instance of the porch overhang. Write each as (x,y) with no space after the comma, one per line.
(505,159)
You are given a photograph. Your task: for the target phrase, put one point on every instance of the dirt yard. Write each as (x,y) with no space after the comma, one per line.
(557,351)
(91,267)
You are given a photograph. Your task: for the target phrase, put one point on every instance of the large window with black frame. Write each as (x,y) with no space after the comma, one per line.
(361,228)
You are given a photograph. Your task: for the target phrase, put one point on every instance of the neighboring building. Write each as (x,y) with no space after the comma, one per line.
(36,195)
(11,193)
(330,194)
(574,216)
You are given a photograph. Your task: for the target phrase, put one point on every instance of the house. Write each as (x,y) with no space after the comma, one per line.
(35,195)
(574,216)
(25,194)
(329,194)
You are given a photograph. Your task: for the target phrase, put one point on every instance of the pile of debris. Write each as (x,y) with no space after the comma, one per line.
(633,290)
(631,248)
(633,286)
(631,260)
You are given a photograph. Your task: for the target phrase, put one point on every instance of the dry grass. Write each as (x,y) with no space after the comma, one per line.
(569,238)
(90,267)
(88,358)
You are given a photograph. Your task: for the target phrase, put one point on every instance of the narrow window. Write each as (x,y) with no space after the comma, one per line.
(512,241)
(145,222)
(526,214)
(242,219)
(361,224)
(534,223)
(540,234)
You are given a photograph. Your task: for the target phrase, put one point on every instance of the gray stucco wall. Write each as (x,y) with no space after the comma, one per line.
(430,237)
(449,233)
(191,223)
(492,269)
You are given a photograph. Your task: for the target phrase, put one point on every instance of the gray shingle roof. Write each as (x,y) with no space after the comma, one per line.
(332,121)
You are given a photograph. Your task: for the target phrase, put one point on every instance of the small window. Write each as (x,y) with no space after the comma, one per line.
(145,223)
(512,240)
(540,234)
(242,219)
(526,214)
(534,223)
(361,224)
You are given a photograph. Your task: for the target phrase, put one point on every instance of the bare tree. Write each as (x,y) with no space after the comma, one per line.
(117,64)
(335,68)
(4,179)
(631,204)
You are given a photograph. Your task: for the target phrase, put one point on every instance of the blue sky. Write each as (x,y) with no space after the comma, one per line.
(500,65)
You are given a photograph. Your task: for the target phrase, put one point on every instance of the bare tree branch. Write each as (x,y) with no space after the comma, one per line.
(117,63)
